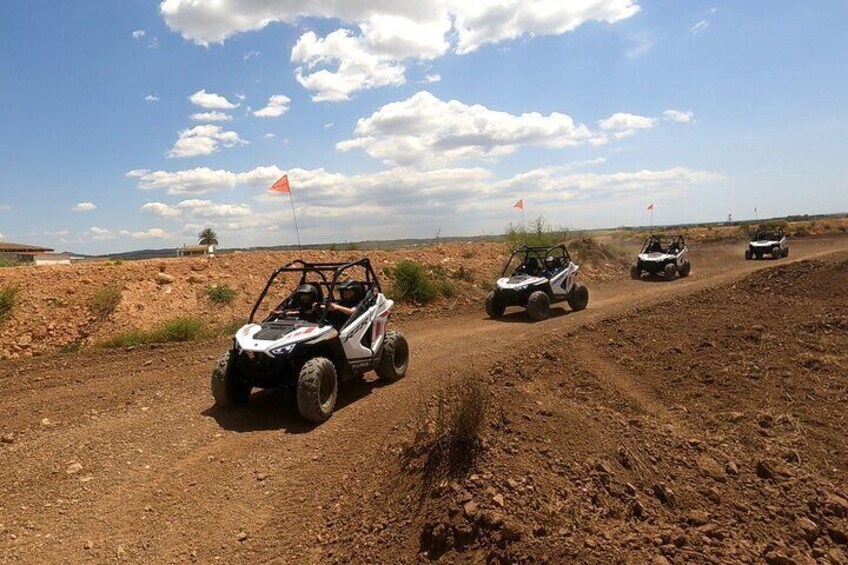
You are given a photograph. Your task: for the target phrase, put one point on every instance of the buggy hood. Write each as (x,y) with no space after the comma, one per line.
(519,281)
(269,336)
(656,256)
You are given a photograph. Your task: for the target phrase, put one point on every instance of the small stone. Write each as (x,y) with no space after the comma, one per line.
(765,470)
(499,500)
(471,510)
(510,532)
(241,536)
(8,438)
(163,278)
(88,545)
(698,518)
(665,494)
(808,529)
(73,468)
(731,468)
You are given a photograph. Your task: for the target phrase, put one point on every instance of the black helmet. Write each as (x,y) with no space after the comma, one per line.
(355,290)
(307,295)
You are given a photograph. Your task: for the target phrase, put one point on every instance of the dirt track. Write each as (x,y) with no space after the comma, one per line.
(119,455)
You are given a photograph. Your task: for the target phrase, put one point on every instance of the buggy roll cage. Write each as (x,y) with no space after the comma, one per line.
(322,270)
(676,240)
(765,234)
(539,253)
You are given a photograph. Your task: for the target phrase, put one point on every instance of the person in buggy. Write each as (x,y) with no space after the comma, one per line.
(305,304)
(553,266)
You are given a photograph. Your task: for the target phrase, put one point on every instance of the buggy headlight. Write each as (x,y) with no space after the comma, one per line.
(283,350)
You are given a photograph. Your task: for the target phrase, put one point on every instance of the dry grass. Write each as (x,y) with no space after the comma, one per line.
(105,299)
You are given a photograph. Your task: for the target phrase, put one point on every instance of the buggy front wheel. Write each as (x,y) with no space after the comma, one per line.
(635,272)
(229,388)
(579,297)
(494,307)
(317,390)
(685,268)
(669,271)
(748,255)
(776,253)
(395,358)
(538,306)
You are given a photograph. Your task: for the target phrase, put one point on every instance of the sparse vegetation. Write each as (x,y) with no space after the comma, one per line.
(8,262)
(449,438)
(220,294)
(8,297)
(414,282)
(178,329)
(105,299)
(538,233)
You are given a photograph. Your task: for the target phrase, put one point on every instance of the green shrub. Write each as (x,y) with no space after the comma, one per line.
(8,297)
(411,282)
(220,294)
(537,234)
(174,330)
(105,299)
(8,262)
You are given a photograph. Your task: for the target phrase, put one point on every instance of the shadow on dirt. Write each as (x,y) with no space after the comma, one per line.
(276,408)
(521,317)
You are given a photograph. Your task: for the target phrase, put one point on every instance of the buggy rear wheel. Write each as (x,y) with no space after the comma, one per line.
(578,299)
(395,358)
(685,269)
(228,387)
(785,252)
(494,307)
(635,272)
(669,271)
(317,390)
(538,306)
(748,255)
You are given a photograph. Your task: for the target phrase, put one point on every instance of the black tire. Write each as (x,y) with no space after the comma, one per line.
(538,306)
(317,390)
(578,299)
(228,387)
(669,271)
(758,255)
(635,272)
(776,254)
(786,252)
(685,269)
(494,307)
(748,255)
(394,359)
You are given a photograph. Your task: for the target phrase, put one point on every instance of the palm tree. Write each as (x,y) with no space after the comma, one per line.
(208,237)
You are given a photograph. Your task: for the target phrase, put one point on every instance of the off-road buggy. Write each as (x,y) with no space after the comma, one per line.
(535,278)
(308,344)
(667,257)
(768,242)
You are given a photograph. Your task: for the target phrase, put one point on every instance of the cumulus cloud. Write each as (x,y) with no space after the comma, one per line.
(139,34)
(623,124)
(702,25)
(151,98)
(209,209)
(203,179)
(160,209)
(270,135)
(203,140)
(211,101)
(277,105)
(370,51)
(152,233)
(425,129)
(679,116)
(84,207)
(211,117)
(100,234)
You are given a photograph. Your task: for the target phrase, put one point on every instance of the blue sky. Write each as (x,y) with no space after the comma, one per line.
(398,119)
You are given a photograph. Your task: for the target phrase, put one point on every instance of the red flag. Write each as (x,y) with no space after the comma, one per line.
(519,204)
(650,207)
(281,185)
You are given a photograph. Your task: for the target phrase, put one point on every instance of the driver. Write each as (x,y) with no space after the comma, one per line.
(552,265)
(351,293)
(305,302)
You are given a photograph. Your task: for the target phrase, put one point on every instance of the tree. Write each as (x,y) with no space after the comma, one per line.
(208,237)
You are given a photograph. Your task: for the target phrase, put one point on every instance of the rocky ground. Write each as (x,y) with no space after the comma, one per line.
(699,420)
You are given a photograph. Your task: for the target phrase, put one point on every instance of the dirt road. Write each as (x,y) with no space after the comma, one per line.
(119,455)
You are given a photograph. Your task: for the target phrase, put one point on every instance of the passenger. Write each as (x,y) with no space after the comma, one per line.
(351,294)
(553,265)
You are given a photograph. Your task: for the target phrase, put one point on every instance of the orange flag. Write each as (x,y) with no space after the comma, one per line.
(282,185)
(650,207)
(519,204)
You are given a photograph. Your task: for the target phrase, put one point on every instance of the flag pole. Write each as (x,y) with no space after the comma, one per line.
(523,223)
(294,215)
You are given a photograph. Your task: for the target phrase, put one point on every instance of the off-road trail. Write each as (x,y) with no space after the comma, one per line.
(119,455)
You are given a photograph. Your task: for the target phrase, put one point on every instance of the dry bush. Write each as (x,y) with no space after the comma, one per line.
(449,432)
(105,299)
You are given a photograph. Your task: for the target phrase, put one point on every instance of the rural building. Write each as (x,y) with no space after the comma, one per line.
(52,259)
(21,252)
(196,250)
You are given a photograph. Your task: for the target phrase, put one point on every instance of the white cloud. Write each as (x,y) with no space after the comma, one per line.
(5,207)
(278,105)
(435,77)
(152,233)
(703,24)
(250,55)
(139,34)
(160,209)
(424,129)
(240,96)
(623,124)
(328,125)
(211,117)
(679,116)
(202,179)
(203,140)
(100,234)
(151,98)
(211,101)
(380,36)
(84,207)
(270,135)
